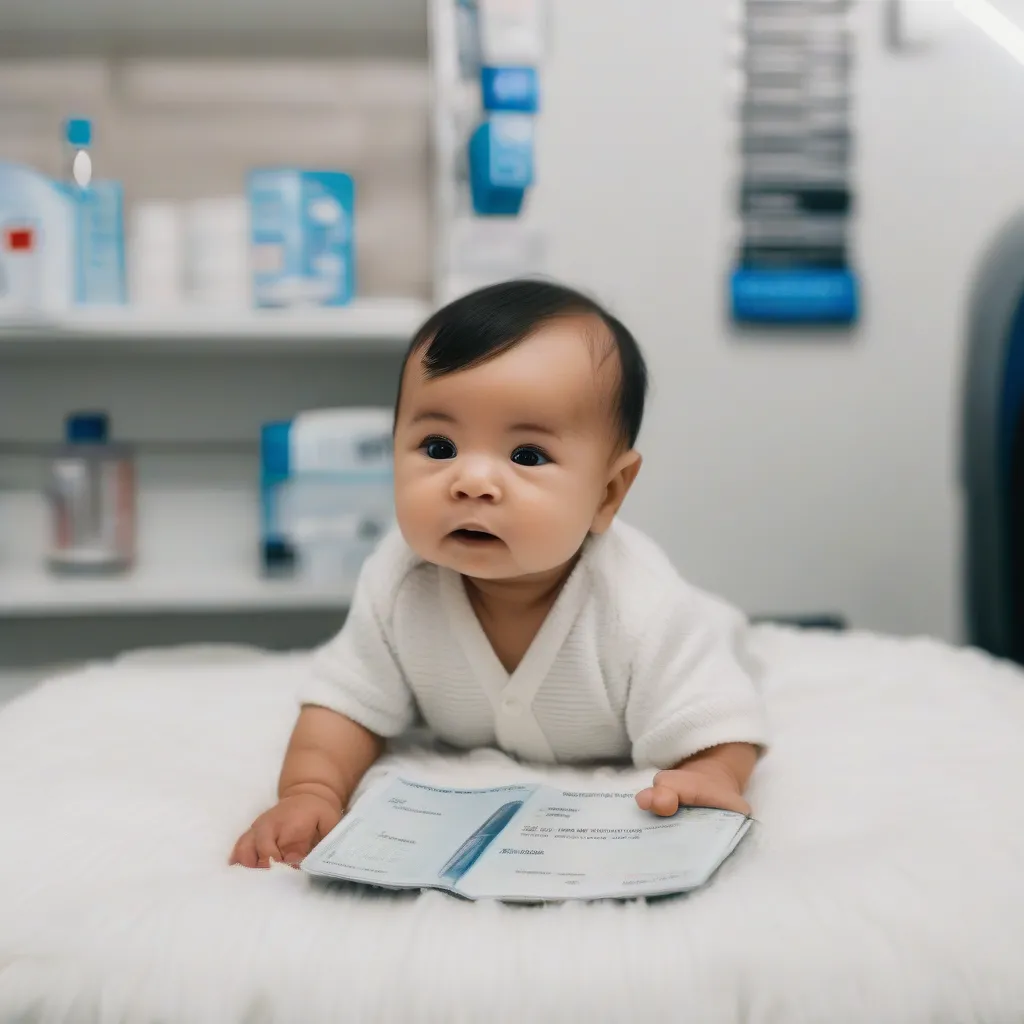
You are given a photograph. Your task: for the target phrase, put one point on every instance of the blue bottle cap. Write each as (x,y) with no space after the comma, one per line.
(87,427)
(78,131)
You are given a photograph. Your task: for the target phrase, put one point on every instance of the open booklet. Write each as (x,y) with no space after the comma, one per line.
(526,843)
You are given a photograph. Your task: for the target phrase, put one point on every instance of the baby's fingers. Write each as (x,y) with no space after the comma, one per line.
(266,845)
(696,789)
(659,800)
(244,852)
(295,841)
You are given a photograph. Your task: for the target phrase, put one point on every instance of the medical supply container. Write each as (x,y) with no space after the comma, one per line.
(327,492)
(91,489)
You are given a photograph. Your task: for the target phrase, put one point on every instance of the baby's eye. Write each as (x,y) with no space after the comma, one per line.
(529,456)
(438,448)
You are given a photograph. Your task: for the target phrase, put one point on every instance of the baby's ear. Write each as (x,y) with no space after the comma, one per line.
(623,473)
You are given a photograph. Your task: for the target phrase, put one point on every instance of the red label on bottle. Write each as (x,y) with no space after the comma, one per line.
(19,239)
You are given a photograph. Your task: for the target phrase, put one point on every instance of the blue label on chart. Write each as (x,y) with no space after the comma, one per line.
(794,296)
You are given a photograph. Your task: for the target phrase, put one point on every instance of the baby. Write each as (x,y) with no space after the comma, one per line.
(511,608)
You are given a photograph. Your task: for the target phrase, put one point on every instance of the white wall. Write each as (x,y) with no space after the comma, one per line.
(817,474)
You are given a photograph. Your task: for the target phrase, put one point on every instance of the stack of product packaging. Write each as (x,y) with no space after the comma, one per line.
(326,492)
(492,101)
(301,233)
(505,40)
(285,240)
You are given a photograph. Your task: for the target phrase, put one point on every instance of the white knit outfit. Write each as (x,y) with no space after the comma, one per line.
(630,663)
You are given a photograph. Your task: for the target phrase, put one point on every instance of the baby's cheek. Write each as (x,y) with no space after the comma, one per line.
(578,497)
(413,508)
(560,523)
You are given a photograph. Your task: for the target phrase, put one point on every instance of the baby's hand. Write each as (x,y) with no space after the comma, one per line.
(690,786)
(287,832)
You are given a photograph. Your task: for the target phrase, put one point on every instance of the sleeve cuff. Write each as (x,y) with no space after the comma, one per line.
(320,692)
(668,746)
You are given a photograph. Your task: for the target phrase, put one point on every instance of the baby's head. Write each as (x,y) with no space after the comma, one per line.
(518,411)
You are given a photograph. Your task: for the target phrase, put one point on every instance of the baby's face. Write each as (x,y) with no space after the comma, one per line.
(501,469)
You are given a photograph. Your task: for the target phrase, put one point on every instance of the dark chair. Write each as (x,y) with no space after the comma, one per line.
(992,452)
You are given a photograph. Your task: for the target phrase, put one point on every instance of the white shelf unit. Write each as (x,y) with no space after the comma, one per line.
(197,473)
(364,326)
(311,84)
(146,592)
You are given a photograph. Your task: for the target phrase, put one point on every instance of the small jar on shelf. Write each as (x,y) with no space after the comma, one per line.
(92,497)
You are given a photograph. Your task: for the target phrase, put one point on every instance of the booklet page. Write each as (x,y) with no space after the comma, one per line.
(409,834)
(571,844)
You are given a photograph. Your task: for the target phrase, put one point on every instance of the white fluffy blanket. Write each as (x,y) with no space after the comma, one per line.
(885,884)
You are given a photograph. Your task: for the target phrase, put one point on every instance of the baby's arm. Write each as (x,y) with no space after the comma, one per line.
(355,696)
(327,756)
(694,711)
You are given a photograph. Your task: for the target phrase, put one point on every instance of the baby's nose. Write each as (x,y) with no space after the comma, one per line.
(476,481)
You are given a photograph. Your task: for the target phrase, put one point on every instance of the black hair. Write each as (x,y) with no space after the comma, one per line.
(483,324)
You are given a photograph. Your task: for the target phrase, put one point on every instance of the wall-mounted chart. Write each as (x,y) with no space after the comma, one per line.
(792,262)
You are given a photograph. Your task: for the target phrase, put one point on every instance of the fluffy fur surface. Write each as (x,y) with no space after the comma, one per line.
(885,882)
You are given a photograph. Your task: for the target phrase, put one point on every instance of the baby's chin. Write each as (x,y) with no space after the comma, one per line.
(491,561)
(502,570)
(493,564)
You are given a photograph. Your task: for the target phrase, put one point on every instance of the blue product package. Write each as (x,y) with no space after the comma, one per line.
(100,264)
(510,88)
(326,491)
(501,164)
(302,237)
(37,258)
(97,223)
(97,213)
(822,296)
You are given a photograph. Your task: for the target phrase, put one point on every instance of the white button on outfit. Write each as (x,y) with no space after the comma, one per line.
(631,661)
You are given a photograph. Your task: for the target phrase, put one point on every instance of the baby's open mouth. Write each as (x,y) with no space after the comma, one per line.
(473,536)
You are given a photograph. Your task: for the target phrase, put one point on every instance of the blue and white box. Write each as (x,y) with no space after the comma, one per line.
(301,225)
(36,244)
(511,32)
(59,246)
(97,223)
(98,211)
(510,89)
(501,164)
(510,50)
(326,492)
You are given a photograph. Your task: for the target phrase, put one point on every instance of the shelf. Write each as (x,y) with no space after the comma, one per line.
(360,27)
(366,326)
(29,594)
